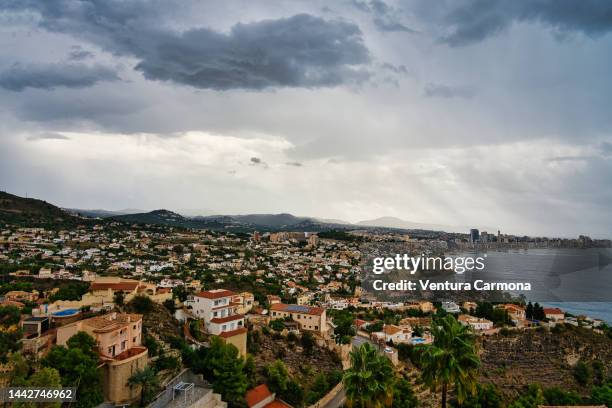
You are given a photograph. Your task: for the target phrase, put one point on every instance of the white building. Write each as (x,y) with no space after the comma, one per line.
(395,334)
(477,323)
(451,307)
(217,310)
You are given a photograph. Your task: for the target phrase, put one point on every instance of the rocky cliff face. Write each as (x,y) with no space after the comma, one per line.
(541,356)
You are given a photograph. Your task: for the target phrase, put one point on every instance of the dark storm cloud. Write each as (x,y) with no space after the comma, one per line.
(471,21)
(47,136)
(299,51)
(445,91)
(79,54)
(49,76)
(384,17)
(255,160)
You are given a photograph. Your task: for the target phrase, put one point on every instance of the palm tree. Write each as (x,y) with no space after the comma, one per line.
(146,378)
(369,381)
(451,360)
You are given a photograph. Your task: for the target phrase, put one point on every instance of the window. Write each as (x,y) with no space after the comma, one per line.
(134,340)
(224,327)
(316,327)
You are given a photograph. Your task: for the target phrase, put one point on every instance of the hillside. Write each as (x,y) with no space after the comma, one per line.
(539,356)
(32,212)
(236,223)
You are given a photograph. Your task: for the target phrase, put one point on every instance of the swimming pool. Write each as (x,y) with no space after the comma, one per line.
(418,340)
(66,312)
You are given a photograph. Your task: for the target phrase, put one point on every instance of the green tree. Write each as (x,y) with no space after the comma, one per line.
(119,298)
(179,293)
(78,367)
(307,342)
(582,373)
(151,344)
(45,377)
(169,304)
(602,395)
(9,315)
(278,377)
(450,360)
(83,342)
(369,380)
(142,304)
(403,395)
(557,396)
(530,399)
(19,370)
(344,330)
(224,368)
(294,394)
(486,396)
(147,380)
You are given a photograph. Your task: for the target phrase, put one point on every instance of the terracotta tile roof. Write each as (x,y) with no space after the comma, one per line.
(282,307)
(12,303)
(255,395)
(391,329)
(552,310)
(277,404)
(131,352)
(107,322)
(226,319)
(232,333)
(215,293)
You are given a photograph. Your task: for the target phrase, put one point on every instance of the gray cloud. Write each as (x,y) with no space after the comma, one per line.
(559,159)
(47,136)
(470,21)
(294,164)
(606,148)
(299,51)
(256,161)
(79,54)
(384,17)
(49,76)
(446,91)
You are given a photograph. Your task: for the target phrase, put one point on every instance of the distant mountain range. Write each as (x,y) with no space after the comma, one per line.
(268,222)
(33,212)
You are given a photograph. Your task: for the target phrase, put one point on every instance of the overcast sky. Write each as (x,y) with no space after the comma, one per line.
(463,112)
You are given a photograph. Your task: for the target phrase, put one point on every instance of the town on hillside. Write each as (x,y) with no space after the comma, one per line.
(154,315)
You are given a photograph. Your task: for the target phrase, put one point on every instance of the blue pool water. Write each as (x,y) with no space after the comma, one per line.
(67,312)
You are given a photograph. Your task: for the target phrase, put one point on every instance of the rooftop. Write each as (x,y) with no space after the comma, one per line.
(215,293)
(281,307)
(111,321)
(255,395)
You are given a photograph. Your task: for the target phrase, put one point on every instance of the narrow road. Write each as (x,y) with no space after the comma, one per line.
(337,401)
